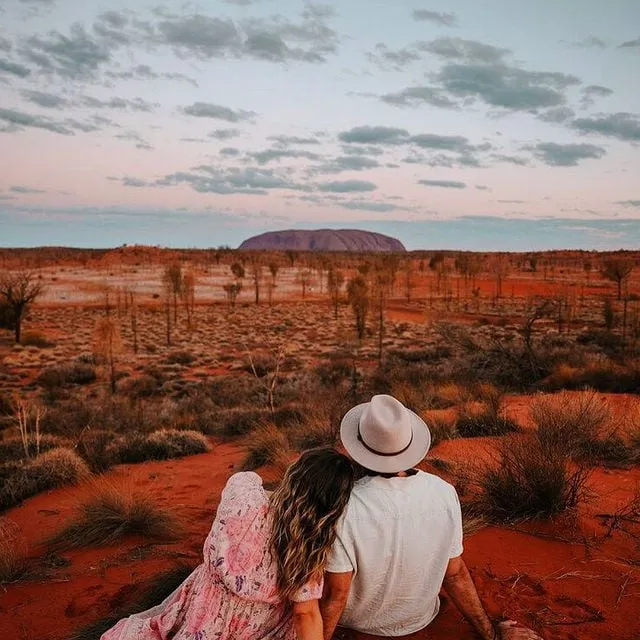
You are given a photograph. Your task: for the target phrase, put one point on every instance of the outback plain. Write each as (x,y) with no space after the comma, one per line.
(135,381)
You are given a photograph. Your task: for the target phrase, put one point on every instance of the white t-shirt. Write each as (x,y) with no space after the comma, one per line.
(397,535)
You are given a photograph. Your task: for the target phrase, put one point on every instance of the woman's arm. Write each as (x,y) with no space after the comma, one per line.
(307,620)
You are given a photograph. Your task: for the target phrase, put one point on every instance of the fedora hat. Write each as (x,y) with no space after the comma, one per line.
(384,436)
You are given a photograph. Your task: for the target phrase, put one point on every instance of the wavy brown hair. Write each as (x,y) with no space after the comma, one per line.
(304,510)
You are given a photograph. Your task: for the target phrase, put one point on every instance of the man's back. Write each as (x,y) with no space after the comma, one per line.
(397,536)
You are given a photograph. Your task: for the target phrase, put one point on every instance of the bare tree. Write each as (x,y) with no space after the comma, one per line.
(173,277)
(188,292)
(107,344)
(304,278)
(268,373)
(17,292)
(617,270)
(232,289)
(28,414)
(271,284)
(381,290)
(132,304)
(358,297)
(255,271)
(335,280)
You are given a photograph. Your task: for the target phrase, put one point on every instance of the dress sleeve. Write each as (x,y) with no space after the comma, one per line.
(456,514)
(310,591)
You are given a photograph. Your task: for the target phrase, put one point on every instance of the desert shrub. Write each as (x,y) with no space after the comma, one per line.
(267,445)
(609,451)
(13,448)
(319,425)
(58,376)
(160,588)
(601,376)
(234,391)
(486,420)
(159,445)
(569,420)
(6,407)
(144,386)
(529,480)
(94,447)
(12,552)
(111,512)
(239,422)
(606,340)
(35,339)
(430,354)
(180,357)
(335,372)
(55,468)
(441,428)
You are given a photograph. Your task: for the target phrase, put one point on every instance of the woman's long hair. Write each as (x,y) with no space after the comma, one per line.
(304,510)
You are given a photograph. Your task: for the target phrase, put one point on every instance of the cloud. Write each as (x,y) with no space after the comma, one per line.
(622,125)
(417,95)
(137,104)
(347,163)
(364,205)
(374,135)
(233,180)
(77,56)
(590,42)
(145,72)
(224,134)
(19,120)
(362,150)
(447,184)
(482,187)
(274,39)
(229,152)
(522,162)
(464,50)
(347,186)
(566,155)
(287,140)
(630,44)
(263,157)
(209,110)
(444,143)
(628,203)
(436,17)
(5,44)
(128,181)
(43,99)
(14,69)
(241,3)
(512,201)
(507,87)
(557,115)
(25,190)
(593,91)
(392,59)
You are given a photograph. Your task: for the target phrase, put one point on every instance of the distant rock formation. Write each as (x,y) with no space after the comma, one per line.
(323,240)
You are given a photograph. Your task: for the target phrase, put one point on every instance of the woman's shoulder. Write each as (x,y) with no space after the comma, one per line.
(244,479)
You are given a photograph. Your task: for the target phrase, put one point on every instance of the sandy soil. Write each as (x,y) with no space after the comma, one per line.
(566,578)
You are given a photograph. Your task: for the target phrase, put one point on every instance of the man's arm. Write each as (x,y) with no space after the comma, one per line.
(334,600)
(307,620)
(460,588)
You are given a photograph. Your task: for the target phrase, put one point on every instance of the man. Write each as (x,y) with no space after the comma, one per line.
(400,539)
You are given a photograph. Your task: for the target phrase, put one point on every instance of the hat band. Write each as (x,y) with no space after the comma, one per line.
(381,453)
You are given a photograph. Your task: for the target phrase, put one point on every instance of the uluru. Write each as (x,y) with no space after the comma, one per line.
(323,240)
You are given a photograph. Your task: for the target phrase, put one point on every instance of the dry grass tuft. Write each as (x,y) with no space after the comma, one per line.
(12,552)
(111,512)
(529,480)
(53,469)
(268,445)
(486,416)
(159,445)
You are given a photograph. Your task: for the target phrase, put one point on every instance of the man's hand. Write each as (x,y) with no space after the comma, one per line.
(509,630)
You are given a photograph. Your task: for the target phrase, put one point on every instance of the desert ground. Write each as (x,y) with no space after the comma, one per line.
(144,378)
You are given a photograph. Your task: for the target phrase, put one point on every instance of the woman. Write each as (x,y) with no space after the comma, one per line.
(263,560)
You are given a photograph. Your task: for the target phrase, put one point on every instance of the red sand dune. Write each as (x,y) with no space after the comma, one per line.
(565,579)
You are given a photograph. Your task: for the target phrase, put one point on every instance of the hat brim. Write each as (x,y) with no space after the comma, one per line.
(416,451)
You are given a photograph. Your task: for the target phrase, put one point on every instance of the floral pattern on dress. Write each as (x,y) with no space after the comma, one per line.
(232,595)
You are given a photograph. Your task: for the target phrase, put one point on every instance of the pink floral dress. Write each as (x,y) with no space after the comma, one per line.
(232,594)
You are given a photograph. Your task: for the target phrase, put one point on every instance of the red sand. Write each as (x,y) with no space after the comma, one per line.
(568,581)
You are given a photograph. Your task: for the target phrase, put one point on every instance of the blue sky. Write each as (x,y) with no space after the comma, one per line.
(466,124)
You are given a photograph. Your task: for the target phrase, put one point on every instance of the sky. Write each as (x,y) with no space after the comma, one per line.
(465,124)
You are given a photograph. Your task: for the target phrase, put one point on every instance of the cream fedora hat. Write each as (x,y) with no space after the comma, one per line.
(383,435)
